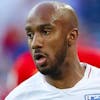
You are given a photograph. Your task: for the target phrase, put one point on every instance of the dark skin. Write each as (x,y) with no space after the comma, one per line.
(52,31)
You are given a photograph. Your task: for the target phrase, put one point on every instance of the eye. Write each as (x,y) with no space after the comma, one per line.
(30,35)
(45,32)
(45,29)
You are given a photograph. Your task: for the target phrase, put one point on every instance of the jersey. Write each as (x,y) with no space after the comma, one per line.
(36,88)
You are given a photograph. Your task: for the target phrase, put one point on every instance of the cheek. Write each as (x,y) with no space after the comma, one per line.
(53,42)
(54,48)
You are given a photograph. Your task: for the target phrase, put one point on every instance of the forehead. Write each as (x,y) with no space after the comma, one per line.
(42,13)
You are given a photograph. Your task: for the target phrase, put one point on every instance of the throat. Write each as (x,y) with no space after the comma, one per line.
(64,81)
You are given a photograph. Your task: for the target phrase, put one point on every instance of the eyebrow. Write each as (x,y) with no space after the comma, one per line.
(28,28)
(42,26)
(48,26)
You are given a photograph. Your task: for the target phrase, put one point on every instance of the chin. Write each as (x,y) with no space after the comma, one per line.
(44,70)
(50,71)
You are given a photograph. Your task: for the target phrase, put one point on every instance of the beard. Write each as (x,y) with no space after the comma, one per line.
(55,68)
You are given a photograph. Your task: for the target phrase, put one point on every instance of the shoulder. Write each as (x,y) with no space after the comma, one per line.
(94,71)
(93,79)
(26,87)
(93,76)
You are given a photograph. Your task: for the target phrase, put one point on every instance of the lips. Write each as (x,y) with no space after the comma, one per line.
(40,58)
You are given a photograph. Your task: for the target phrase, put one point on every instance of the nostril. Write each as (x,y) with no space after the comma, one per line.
(37,45)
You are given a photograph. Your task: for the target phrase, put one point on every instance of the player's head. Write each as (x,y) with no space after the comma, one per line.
(52,30)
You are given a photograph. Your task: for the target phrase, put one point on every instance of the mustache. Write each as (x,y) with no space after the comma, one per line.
(38,51)
(39,54)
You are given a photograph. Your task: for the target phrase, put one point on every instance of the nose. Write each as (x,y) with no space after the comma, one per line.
(37,41)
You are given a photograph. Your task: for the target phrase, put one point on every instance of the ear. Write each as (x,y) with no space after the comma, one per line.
(72,37)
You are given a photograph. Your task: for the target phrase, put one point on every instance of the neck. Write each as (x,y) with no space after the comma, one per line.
(70,74)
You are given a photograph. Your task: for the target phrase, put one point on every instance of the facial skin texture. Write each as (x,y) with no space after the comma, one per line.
(52,31)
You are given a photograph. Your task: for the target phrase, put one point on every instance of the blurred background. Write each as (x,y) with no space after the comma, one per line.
(14,51)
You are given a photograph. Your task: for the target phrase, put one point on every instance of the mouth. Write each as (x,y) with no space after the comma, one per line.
(40,59)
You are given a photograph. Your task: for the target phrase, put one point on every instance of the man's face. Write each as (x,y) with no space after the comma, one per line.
(47,43)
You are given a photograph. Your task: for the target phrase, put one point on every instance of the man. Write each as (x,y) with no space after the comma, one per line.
(52,30)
